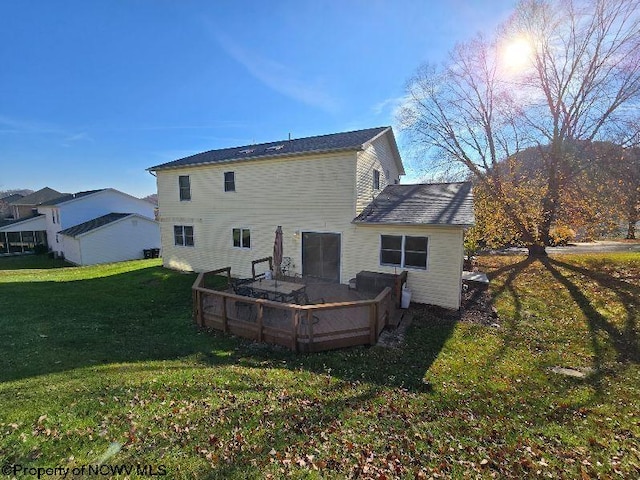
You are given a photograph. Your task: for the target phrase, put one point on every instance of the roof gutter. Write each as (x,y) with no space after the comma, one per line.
(259,157)
(407,224)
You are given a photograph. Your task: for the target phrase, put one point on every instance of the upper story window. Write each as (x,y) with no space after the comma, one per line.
(185,187)
(404,251)
(229,181)
(183,235)
(53,216)
(376,179)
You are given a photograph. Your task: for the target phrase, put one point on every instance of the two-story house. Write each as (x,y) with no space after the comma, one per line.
(338,200)
(27,206)
(100,226)
(96,226)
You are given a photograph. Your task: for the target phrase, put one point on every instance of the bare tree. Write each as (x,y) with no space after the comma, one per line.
(581,82)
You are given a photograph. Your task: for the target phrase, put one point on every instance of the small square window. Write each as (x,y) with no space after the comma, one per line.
(229,181)
(183,235)
(185,187)
(404,251)
(241,238)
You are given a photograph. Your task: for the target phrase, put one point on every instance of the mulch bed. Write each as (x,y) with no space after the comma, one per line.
(476,307)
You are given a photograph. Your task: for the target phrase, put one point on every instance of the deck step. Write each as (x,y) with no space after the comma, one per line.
(394,337)
(400,316)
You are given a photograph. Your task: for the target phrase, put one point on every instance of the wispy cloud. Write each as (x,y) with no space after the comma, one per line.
(279,77)
(66,137)
(75,138)
(390,106)
(14,125)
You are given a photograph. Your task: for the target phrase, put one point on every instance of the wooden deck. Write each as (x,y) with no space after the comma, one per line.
(336,316)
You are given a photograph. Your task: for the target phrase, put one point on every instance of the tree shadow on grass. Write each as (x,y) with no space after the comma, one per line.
(380,367)
(625,340)
(507,287)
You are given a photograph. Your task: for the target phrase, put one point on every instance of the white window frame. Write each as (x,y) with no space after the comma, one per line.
(224,179)
(180,188)
(376,179)
(184,236)
(403,252)
(241,246)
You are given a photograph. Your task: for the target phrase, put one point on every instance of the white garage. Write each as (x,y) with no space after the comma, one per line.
(114,237)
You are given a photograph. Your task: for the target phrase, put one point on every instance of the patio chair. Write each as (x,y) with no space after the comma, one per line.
(240,288)
(303,299)
(286,266)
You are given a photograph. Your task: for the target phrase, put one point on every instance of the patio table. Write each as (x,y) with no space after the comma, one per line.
(278,290)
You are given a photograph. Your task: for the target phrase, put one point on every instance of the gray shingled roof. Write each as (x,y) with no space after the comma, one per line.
(93,224)
(6,222)
(38,198)
(69,196)
(11,198)
(322,143)
(421,204)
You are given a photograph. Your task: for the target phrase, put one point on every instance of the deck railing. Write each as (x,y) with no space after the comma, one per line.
(308,328)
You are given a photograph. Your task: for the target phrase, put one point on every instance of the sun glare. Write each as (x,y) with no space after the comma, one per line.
(516,54)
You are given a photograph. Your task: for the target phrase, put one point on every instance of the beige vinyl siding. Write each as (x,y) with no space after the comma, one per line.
(439,284)
(311,193)
(377,156)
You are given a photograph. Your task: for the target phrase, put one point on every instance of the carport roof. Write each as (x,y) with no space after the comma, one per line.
(85,227)
(421,204)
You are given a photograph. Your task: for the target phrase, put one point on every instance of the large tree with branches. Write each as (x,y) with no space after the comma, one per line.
(557,75)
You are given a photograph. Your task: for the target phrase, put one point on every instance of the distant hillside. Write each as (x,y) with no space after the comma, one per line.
(20,191)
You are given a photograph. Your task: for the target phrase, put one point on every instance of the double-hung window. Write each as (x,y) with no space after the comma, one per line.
(183,235)
(376,179)
(185,187)
(242,237)
(229,181)
(404,251)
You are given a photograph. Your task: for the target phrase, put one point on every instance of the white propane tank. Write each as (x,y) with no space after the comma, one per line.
(406,297)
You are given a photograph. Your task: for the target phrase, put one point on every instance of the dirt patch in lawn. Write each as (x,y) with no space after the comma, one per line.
(476,307)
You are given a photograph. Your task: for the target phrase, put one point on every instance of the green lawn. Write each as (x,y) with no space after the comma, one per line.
(103,364)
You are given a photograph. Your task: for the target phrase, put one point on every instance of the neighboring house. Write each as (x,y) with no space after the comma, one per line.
(96,226)
(74,209)
(339,205)
(27,206)
(23,235)
(113,237)
(5,205)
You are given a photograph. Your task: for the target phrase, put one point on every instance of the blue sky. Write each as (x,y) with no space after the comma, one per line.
(94,92)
